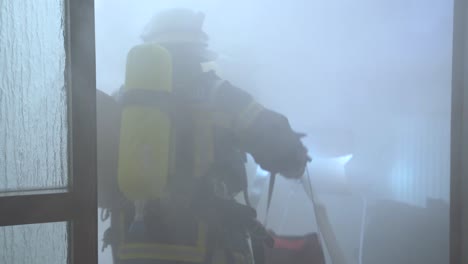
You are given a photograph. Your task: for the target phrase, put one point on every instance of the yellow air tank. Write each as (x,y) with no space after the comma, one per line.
(145,129)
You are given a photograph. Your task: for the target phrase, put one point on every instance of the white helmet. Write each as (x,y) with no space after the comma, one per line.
(178,25)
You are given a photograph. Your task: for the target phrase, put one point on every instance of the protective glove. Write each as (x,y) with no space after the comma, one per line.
(276,147)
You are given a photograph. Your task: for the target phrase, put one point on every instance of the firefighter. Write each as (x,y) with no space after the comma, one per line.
(184,137)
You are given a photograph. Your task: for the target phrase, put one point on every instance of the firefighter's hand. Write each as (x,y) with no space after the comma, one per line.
(296,159)
(291,157)
(275,146)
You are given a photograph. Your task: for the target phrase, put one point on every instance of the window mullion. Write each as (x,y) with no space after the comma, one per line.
(83,131)
(38,208)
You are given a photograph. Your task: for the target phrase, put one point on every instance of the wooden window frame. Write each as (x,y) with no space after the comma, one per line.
(78,204)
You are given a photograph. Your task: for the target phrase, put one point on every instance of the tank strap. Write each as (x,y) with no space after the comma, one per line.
(165,101)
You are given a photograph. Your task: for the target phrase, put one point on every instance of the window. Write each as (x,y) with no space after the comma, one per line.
(47,132)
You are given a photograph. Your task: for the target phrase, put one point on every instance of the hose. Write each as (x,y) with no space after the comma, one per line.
(363,227)
(328,235)
(325,228)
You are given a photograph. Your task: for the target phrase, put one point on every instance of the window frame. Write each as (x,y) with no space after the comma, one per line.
(78,204)
(459,144)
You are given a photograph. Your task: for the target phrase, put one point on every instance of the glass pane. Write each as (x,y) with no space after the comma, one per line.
(33,109)
(368,81)
(34,244)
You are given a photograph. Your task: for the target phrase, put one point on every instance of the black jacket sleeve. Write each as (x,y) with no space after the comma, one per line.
(263,133)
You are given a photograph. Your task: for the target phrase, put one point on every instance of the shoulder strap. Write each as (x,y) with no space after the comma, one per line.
(258,245)
(270,195)
(217,83)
